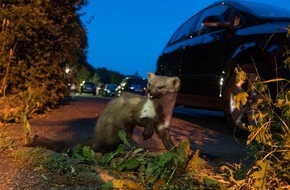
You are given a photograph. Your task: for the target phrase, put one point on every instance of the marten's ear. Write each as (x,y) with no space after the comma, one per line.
(176,82)
(151,75)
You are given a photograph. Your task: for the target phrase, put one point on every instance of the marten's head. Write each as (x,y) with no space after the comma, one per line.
(160,85)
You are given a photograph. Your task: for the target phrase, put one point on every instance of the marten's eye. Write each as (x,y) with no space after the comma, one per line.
(160,87)
(148,84)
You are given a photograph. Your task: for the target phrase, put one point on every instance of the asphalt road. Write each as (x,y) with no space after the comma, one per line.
(206,130)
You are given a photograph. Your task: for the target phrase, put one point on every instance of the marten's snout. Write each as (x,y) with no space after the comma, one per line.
(149,94)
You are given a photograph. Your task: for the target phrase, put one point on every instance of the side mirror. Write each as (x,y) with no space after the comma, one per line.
(215,22)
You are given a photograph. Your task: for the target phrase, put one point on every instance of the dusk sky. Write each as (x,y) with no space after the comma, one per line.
(128,35)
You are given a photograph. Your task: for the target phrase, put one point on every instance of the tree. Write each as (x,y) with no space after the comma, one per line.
(136,74)
(108,76)
(39,39)
(82,75)
(96,79)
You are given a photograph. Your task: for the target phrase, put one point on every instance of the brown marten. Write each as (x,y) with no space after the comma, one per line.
(153,112)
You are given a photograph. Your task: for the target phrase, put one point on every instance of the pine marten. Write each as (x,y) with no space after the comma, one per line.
(153,112)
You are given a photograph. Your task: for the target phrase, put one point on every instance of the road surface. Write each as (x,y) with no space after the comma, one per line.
(73,123)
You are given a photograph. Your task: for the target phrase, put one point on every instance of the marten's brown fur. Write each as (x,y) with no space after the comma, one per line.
(153,112)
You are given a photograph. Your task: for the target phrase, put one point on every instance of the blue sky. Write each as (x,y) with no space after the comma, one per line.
(128,35)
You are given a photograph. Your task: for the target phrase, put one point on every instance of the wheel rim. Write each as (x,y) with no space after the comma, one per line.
(244,116)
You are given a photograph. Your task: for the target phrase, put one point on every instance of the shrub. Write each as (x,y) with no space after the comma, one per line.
(269,138)
(38,39)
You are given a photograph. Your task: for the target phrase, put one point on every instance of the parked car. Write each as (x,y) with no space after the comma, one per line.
(135,85)
(110,90)
(205,50)
(88,87)
(100,88)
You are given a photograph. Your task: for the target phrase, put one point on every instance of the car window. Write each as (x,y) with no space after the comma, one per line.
(184,31)
(223,11)
(111,86)
(138,81)
(90,84)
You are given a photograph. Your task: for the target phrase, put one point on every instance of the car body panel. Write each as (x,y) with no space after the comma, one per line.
(205,58)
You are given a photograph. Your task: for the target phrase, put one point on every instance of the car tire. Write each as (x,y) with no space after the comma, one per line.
(241,118)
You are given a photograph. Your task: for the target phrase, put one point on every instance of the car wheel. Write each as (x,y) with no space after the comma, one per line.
(243,117)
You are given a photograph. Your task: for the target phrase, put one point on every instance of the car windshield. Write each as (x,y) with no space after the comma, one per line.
(111,86)
(138,81)
(264,10)
(89,84)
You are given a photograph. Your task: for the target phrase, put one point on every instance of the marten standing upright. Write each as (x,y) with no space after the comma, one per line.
(153,112)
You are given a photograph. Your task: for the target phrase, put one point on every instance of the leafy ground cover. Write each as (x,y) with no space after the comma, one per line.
(126,168)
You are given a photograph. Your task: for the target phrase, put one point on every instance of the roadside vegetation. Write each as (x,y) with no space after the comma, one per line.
(39,40)
(43,50)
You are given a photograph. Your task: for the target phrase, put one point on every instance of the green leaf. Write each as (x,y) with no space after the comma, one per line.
(123,137)
(79,157)
(89,154)
(108,186)
(129,164)
(109,156)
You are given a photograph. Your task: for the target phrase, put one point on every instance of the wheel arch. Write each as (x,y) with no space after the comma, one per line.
(262,61)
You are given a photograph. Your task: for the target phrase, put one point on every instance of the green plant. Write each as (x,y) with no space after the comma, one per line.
(159,170)
(269,138)
(85,153)
(139,169)
(32,72)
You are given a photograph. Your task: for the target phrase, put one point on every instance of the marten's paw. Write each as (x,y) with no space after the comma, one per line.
(148,133)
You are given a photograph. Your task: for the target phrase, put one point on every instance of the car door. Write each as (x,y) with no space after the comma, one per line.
(171,57)
(203,54)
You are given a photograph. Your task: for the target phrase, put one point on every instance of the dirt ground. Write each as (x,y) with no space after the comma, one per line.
(73,122)
(59,129)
